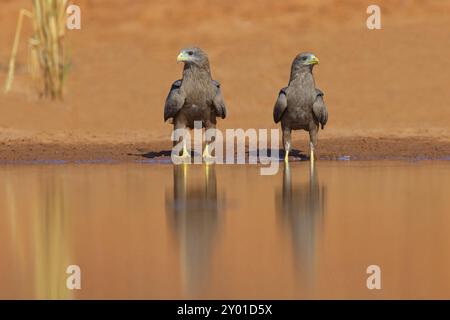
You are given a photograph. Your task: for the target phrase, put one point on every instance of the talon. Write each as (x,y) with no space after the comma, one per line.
(206,152)
(185,156)
(207,157)
(286,156)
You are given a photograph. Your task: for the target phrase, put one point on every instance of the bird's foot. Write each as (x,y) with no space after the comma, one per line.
(207,157)
(286,156)
(184,158)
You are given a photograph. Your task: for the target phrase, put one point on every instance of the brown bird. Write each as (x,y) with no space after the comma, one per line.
(300,105)
(196,97)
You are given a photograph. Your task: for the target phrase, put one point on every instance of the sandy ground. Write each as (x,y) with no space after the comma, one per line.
(359,148)
(386,90)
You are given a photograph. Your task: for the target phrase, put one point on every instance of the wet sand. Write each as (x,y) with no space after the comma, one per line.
(216,232)
(363,148)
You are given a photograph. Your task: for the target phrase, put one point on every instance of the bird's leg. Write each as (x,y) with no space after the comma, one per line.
(185,155)
(286,143)
(311,153)
(286,155)
(313,132)
(209,127)
(206,154)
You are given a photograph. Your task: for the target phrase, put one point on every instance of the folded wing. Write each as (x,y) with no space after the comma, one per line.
(174,101)
(218,101)
(280,105)
(320,109)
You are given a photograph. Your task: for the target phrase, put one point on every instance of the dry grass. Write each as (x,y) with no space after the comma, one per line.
(47,56)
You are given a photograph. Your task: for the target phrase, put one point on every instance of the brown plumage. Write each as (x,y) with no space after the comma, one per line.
(196,97)
(300,105)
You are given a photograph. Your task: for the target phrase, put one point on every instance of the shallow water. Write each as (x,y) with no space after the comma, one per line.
(158,231)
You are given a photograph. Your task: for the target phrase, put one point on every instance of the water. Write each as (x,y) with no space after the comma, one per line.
(158,231)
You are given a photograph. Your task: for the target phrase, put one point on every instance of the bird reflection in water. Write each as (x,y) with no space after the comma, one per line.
(194,216)
(301,210)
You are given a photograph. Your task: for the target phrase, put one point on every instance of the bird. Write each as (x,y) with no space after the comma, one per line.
(301,105)
(195,97)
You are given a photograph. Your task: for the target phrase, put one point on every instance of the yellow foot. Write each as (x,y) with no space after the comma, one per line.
(286,156)
(207,157)
(185,157)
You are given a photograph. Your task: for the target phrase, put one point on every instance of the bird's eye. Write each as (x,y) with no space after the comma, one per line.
(190,53)
(304,58)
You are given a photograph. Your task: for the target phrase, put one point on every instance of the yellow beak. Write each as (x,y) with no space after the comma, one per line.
(181,57)
(314,60)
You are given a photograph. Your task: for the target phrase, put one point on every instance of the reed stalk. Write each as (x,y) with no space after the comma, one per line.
(47,61)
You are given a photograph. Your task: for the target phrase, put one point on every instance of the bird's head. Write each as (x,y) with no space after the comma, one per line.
(193,56)
(304,61)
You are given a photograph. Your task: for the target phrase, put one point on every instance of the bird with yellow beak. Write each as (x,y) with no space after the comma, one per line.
(195,98)
(300,105)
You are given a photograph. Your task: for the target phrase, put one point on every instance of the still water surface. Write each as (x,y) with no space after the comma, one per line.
(159,231)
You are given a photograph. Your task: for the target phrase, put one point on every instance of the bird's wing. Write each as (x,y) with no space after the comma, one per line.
(320,109)
(219,103)
(174,100)
(280,105)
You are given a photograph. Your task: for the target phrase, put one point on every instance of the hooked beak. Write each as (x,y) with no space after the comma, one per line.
(313,60)
(182,57)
